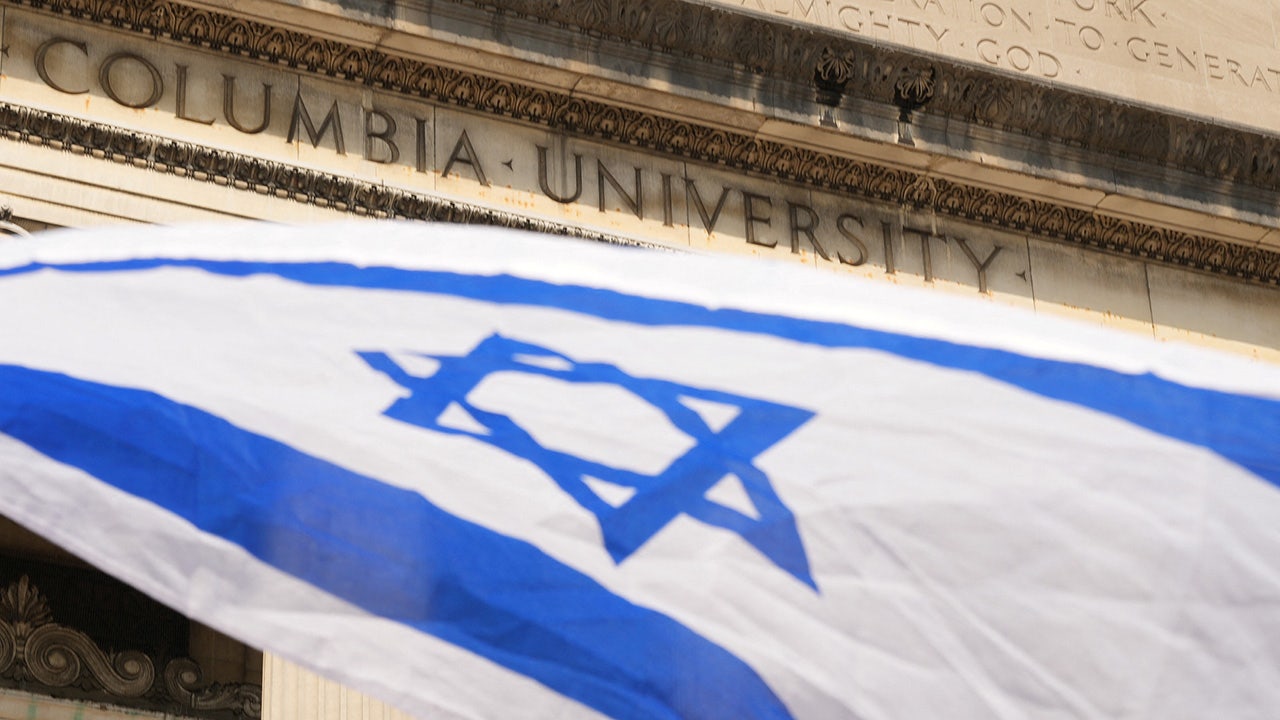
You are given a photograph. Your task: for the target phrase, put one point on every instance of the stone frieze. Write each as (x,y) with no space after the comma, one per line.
(901,75)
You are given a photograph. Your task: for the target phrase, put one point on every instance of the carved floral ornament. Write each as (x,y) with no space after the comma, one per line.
(40,655)
(831,75)
(895,75)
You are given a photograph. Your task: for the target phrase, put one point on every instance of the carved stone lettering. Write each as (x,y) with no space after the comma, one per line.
(633,201)
(843,225)
(886,233)
(546,186)
(752,207)
(464,152)
(709,220)
(302,119)
(41,63)
(421,163)
(229,106)
(926,252)
(380,145)
(668,201)
(181,110)
(804,221)
(155,88)
(979,265)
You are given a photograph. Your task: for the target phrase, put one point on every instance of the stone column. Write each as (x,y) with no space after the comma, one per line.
(291,693)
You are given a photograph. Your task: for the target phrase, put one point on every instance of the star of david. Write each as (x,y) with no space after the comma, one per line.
(654,499)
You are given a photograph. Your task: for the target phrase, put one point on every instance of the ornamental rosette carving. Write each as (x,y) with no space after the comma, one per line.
(914,86)
(23,607)
(753,46)
(670,20)
(1075,122)
(831,74)
(921,192)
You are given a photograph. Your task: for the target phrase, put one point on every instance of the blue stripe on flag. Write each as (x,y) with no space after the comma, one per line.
(1245,430)
(385,549)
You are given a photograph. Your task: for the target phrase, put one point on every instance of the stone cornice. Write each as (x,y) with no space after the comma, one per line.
(266,177)
(873,72)
(578,116)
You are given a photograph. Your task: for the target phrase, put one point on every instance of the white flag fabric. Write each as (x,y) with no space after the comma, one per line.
(488,475)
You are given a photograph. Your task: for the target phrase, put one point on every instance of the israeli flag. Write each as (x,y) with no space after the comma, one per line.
(486,475)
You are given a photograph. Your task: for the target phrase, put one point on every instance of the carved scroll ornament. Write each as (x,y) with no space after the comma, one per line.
(41,655)
(182,680)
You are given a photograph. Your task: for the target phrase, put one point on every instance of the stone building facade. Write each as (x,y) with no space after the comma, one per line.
(1116,161)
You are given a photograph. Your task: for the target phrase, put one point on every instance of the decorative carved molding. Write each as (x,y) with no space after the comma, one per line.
(963,92)
(266,177)
(182,680)
(41,655)
(33,647)
(831,75)
(914,88)
(7,225)
(989,98)
(869,181)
